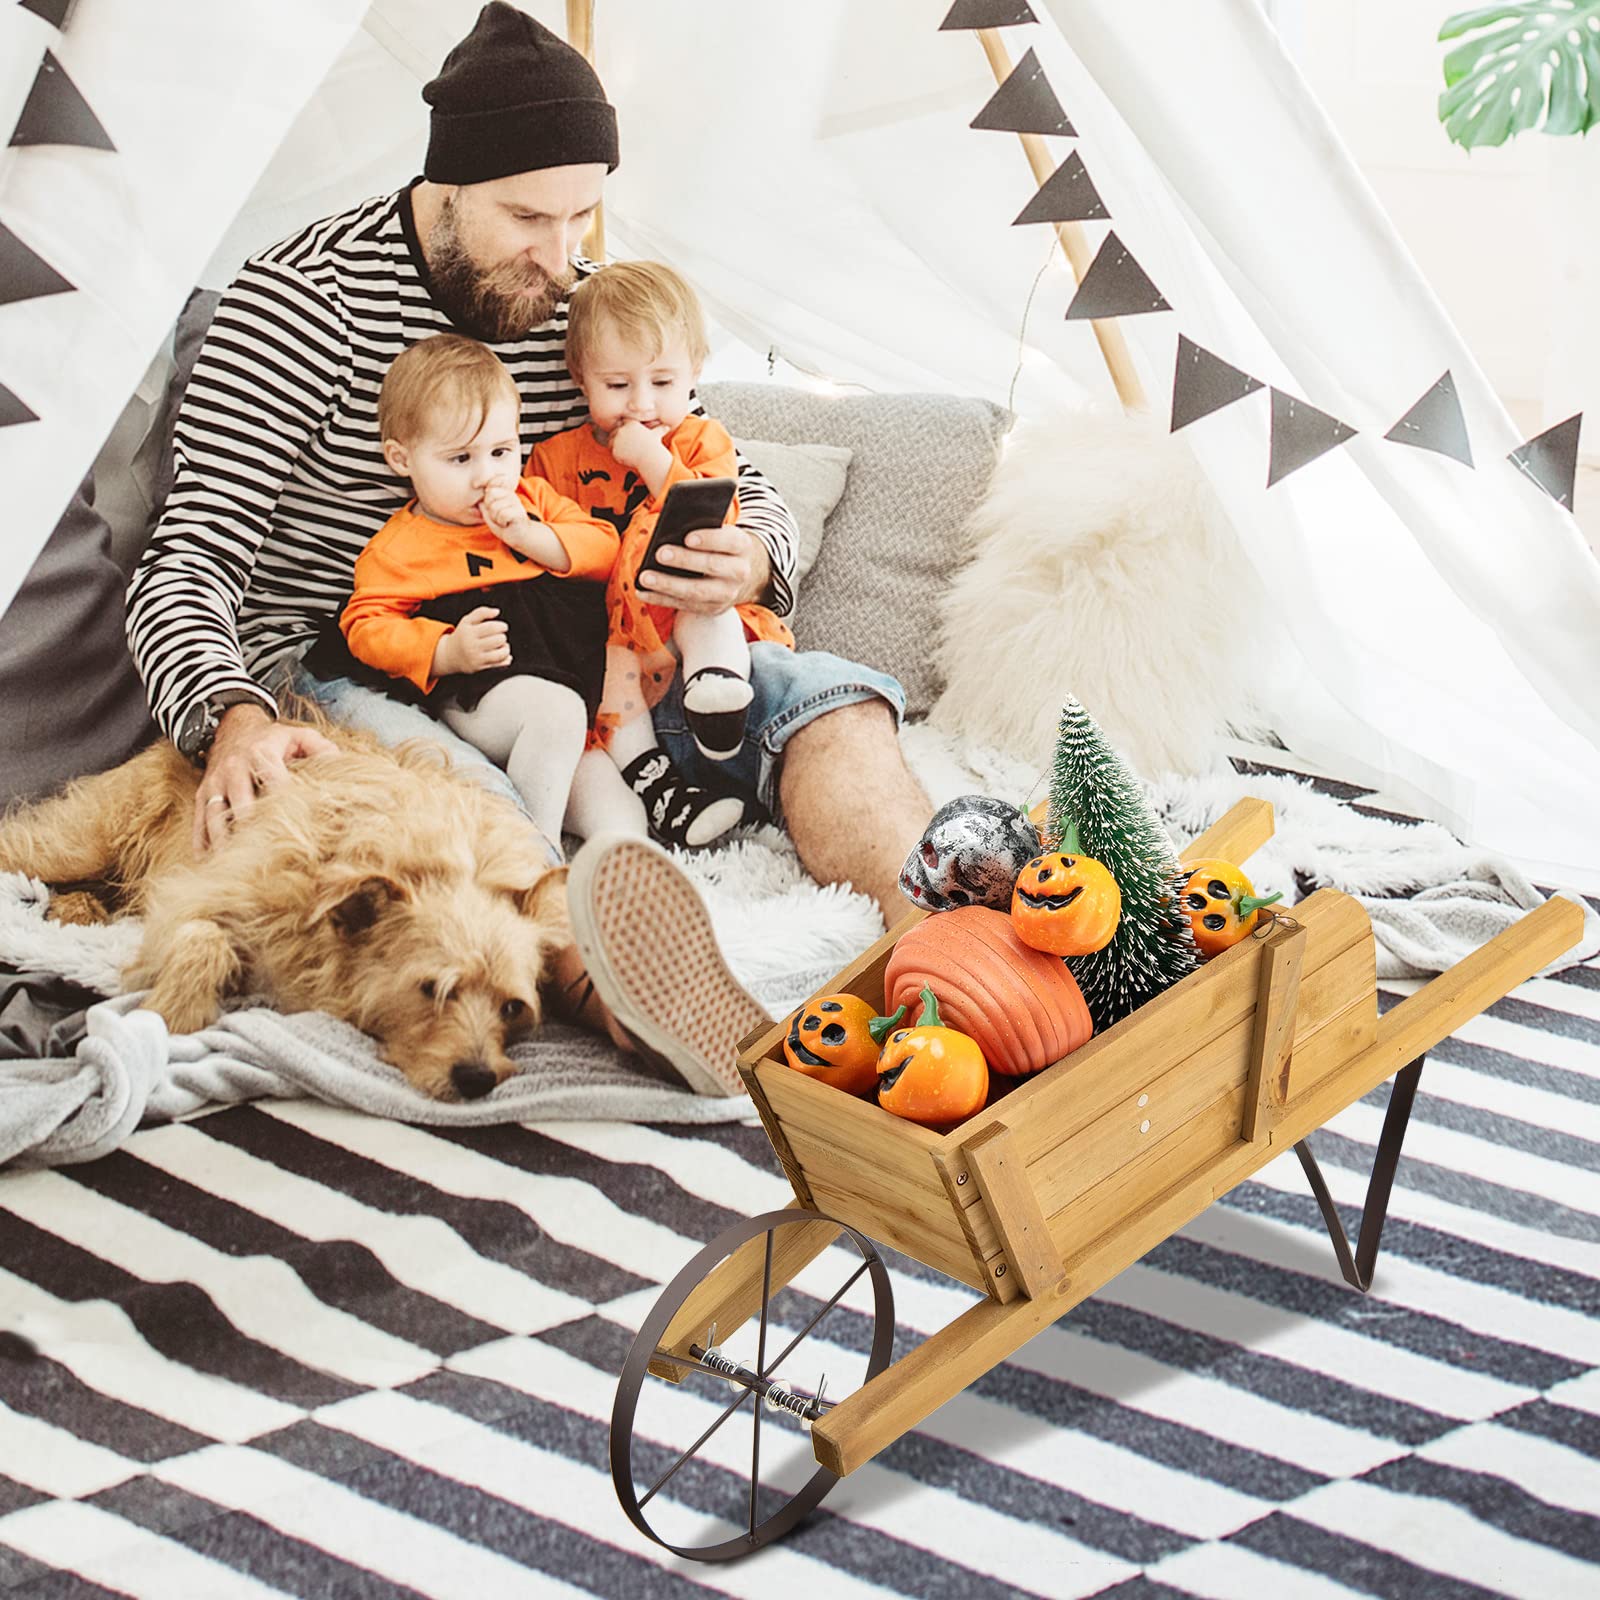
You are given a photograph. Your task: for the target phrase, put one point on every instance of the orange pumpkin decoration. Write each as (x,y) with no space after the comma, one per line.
(930,1073)
(1021,1005)
(1221,904)
(837,1039)
(1065,903)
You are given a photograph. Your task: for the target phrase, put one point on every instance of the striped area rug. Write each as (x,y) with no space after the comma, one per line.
(285,1349)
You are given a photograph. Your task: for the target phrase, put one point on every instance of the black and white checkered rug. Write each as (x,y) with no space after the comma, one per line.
(285,1349)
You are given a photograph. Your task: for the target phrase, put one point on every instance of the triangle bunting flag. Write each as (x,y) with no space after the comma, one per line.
(1025,103)
(1114,286)
(55,12)
(24,274)
(1205,383)
(1436,423)
(55,112)
(12,410)
(1300,433)
(1067,195)
(986,14)
(1550,459)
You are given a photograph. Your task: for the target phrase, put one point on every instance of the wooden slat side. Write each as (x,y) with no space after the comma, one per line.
(1056,1103)
(977,1224)
(878,1167)
(995,1162)
(775,1135)
(1203,1138)
(1273,1033)
(866,1209)
(1149,1113)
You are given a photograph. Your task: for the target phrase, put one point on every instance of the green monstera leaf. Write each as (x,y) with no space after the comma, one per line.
(1525,65)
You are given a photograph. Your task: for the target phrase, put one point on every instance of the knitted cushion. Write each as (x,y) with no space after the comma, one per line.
(920,464)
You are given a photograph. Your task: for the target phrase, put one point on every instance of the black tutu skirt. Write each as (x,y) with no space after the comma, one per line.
(556,628)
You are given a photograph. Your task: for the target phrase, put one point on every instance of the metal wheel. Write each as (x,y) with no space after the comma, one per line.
(807,1317)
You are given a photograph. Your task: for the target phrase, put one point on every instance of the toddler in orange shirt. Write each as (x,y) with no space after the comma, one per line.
(635,344)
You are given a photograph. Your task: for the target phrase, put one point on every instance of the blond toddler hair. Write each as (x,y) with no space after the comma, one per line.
(444,376)
(644,301)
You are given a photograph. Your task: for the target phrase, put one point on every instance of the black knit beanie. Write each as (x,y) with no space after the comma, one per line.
(513,97)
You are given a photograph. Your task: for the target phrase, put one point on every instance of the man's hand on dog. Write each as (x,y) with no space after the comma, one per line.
(476,643)
(735,565)
(250,752)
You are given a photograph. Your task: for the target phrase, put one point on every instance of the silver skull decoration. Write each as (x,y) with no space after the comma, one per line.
(970,855)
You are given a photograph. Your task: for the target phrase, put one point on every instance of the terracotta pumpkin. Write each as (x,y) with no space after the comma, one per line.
(1066,903)
(1221,904)
(1021,1005)
(932,1073)
(836,1039)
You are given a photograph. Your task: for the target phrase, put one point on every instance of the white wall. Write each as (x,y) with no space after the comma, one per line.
(1507,237)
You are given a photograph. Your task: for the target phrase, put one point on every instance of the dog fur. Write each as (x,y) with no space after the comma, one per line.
(378,886)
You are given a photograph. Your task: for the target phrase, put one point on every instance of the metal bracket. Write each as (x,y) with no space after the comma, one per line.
(1357,1267)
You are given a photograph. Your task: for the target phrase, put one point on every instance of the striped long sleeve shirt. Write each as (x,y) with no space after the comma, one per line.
(279,476)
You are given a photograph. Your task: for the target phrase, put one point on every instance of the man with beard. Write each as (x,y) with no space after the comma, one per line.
(280,480)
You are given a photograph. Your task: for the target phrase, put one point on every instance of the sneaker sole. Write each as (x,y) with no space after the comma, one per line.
(693,1023)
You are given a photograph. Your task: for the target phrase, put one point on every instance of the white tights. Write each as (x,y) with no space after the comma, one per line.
(536,730)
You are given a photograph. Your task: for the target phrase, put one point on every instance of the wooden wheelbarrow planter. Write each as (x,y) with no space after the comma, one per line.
(1053,1189)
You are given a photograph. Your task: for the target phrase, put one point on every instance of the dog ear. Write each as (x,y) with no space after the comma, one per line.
(545,902)
(357,903)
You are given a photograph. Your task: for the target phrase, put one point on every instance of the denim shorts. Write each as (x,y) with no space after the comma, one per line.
(792,688)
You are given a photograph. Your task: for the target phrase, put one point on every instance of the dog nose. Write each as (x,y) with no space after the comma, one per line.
(472,1079)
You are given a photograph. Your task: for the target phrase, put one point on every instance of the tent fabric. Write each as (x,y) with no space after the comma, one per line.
(1430,626)
(129,227)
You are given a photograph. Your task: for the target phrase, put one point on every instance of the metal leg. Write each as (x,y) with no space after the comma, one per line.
(1357,1267)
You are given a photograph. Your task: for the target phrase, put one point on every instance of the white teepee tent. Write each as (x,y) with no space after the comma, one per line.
(812,169)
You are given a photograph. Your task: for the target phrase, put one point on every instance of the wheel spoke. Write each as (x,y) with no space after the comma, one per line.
(688,1455)
(761,1357)
(839,1294)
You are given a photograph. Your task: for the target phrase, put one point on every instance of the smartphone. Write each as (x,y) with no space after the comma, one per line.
(693,503)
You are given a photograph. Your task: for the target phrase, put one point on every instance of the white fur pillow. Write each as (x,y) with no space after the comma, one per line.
(811,479)
(1102,568)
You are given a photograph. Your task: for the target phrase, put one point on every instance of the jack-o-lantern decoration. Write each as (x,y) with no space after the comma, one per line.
(1065,903)
(1221,904)
(837,1040)
(930,1073)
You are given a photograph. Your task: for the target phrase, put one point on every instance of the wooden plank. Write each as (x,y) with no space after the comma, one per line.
(995,1162)
(731,1293)
(1056,1103)
(862,1207)
(1273,1034)
(977,1224)
(1245,827)
(1436,1010)
(775,1134)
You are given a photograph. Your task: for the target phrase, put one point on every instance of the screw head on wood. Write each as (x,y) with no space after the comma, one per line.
(961,1178)
(1000,1271)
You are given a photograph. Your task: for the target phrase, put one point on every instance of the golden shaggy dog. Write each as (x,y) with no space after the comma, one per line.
(377,886)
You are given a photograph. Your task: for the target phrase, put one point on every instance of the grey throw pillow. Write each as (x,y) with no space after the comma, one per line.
(919,465)
(73,702)
(811,479)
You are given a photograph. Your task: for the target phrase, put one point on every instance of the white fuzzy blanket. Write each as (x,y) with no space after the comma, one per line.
(784,935)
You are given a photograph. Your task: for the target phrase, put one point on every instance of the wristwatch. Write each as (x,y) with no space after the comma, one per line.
(200,722)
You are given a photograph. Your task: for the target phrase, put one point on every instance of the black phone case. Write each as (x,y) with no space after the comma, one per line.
(700,503)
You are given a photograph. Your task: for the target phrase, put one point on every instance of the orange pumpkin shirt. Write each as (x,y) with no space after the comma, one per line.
(412,559)
(639,666)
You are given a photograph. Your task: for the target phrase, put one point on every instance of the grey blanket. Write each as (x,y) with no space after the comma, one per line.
(129,1069)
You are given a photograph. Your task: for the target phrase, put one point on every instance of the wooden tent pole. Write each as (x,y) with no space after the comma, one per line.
(580,35)
(1113,347)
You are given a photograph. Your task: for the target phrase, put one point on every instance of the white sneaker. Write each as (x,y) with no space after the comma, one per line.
(647,941)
